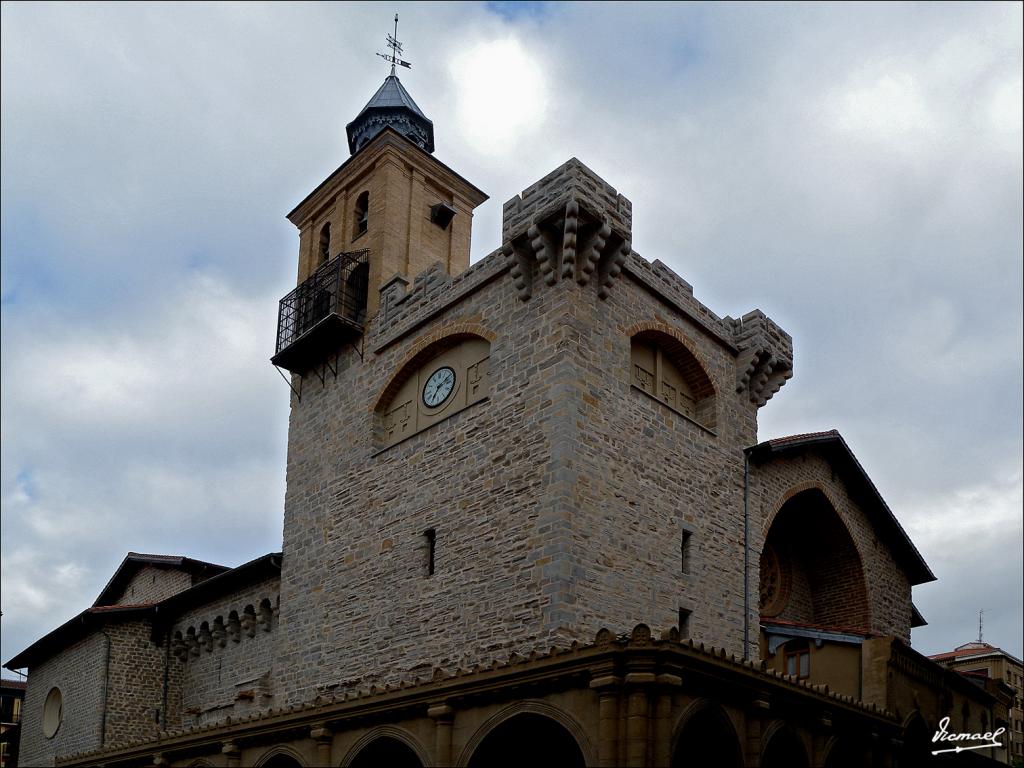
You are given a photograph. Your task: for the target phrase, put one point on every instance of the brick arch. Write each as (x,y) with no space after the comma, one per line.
(424,349)
(387,732)
(280,751)
(532,707)
(795,490)
(683,352)
(820,543)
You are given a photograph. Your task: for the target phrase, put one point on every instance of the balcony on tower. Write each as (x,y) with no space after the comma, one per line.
(323,312)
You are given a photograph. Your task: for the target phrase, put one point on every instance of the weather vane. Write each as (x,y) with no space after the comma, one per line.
(396,48)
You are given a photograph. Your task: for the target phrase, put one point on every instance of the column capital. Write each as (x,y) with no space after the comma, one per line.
(320,732)
(605,682)
(440,710)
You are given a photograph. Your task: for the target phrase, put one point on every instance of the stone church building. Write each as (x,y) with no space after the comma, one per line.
(528,521)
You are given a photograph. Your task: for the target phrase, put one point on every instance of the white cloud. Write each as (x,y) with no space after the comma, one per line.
(501,95)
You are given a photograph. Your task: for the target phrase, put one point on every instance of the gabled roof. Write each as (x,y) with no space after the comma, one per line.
(834,449)
(159,613)
(135,561)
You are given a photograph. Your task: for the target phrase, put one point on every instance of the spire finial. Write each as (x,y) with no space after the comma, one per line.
(981,615)
(396,48)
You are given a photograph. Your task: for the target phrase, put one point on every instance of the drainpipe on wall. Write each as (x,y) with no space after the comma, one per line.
(746,556)
(106,682)
(162,717)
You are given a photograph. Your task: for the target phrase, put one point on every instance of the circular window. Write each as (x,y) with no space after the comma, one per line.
(52,712)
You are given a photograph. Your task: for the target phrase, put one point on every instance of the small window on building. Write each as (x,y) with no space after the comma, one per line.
(798,659)
(685,556)
(684,623)
(362,215)
(430,537)
(52,712)
(324,249)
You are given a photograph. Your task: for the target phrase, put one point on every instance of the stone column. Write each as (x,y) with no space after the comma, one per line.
(607,687)
(324,738)
(758,711)
(663,718)
(638,684)
(443,716)
(234,754)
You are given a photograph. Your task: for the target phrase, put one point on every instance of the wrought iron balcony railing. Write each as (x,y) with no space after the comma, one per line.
(327,308)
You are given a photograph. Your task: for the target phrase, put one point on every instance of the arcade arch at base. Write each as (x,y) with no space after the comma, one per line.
(528,733)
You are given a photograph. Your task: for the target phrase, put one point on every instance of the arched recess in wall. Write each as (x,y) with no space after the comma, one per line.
(528,733)
(444,376)
(916,741)
(386,745)
(664,367)
(361,215)
(842,752)
(811,571)
(783,748)
(704,735)
(324,246)
(280,757)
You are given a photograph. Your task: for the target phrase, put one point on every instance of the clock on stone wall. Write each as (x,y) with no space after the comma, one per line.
(439,387)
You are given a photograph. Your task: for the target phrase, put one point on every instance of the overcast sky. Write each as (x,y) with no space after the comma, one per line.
(855,171)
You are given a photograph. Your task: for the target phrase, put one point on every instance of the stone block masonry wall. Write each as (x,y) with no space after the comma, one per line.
(228,669)
(357,604)
(888,589)
(646,473)
(78,671)
(151,585)
(135,681)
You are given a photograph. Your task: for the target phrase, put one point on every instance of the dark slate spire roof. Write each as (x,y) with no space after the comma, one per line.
(391,106)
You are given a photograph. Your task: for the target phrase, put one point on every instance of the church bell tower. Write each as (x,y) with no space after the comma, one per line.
(391,211)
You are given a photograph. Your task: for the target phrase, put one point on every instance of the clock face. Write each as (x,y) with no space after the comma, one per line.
(439,387)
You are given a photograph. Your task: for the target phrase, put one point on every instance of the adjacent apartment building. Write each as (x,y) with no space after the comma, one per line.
(981,659)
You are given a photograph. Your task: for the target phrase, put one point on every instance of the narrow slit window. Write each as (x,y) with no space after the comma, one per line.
(684,623)
(431,539)
(685,556)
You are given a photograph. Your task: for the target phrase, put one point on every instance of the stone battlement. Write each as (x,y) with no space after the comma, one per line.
(570,181)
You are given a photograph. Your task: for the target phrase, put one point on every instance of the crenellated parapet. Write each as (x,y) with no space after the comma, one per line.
(570,225)
(765,361)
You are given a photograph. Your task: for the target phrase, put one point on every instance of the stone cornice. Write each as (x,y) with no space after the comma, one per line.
(578,665)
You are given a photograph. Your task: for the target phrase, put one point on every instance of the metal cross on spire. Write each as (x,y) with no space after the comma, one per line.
(396,48)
